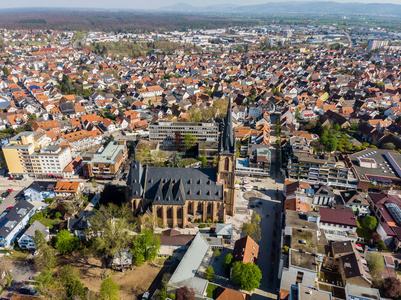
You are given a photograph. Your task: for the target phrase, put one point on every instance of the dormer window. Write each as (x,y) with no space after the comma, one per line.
(168,198)
(150,180)
(208,193)
(199,182)
(189,192)
(199,193)
(158,198)
(208,182)
(190,181)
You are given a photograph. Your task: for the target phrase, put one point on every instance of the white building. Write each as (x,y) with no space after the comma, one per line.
(26,241)
(14,221)
(54,159)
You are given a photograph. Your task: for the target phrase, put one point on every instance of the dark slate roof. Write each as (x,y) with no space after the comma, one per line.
(14,217)
(43,186)
(174,185)
(81,222)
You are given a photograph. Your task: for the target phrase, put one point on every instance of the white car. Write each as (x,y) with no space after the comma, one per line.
(145,296)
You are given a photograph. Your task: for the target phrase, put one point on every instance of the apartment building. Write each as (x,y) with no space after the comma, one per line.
(28,153)
(321,169)
(171,135)
(107,164)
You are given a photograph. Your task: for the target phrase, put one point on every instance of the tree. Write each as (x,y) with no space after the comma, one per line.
(109,290)
(376,262)
(143,154)
(253,228)
(185,293)
(146,247)
(209,274)
(369,222)
(46,258)
(39,239)
(216,253)
(112,227)
(247,276)
(227,263)
(190,140)
(389,146)
(66,242)
(381,245)
(70,278)
(391,288)
(6,71)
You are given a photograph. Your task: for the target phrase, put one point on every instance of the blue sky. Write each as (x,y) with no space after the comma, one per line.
(148,4)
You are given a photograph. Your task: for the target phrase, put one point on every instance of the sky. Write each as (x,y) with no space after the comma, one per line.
(149,4)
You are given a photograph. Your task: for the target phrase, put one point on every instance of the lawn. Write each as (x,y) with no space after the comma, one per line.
(16,256)
(363,232)
(133,283)
(211,290)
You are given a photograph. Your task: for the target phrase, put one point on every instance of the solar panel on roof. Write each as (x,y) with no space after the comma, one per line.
(3,222)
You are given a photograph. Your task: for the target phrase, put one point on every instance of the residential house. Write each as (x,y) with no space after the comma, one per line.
(27,239)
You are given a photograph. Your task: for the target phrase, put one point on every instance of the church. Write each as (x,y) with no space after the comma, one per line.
(180,196)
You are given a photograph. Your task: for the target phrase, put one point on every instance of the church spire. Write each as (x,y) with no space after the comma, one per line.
(227,139)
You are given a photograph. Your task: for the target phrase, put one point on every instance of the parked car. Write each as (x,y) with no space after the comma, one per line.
(145,296)
(11,178)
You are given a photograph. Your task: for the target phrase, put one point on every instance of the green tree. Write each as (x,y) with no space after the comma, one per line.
(247,276)
(39,239)
(112,228)
(109,290)
(190,140)
(227,263)
(381,245)
(146,247)
(209,274)
(70,278)
(369,222)
(66,242)
(389,146)
(46,258)
(216,253)
(6,71)
(252,228)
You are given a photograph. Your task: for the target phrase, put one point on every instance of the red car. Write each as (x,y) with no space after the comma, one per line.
(11,178)
(10,190)
(8,208)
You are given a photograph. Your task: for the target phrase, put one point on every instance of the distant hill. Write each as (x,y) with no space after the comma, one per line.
(184,7)
(310,7)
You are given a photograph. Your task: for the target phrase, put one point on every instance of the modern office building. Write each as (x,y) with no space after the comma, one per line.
(171,135)
(107,164)
(28,153)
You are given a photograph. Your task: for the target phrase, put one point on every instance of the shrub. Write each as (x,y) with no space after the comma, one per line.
(202,226)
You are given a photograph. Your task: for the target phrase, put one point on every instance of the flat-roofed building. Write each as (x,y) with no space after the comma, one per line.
(171,135)
(28,153)
(107,164)
(322,169)
(376,166)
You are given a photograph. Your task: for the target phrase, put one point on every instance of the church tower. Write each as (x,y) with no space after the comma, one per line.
(226,163)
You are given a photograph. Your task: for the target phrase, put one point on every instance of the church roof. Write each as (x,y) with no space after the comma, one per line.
(174,185)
